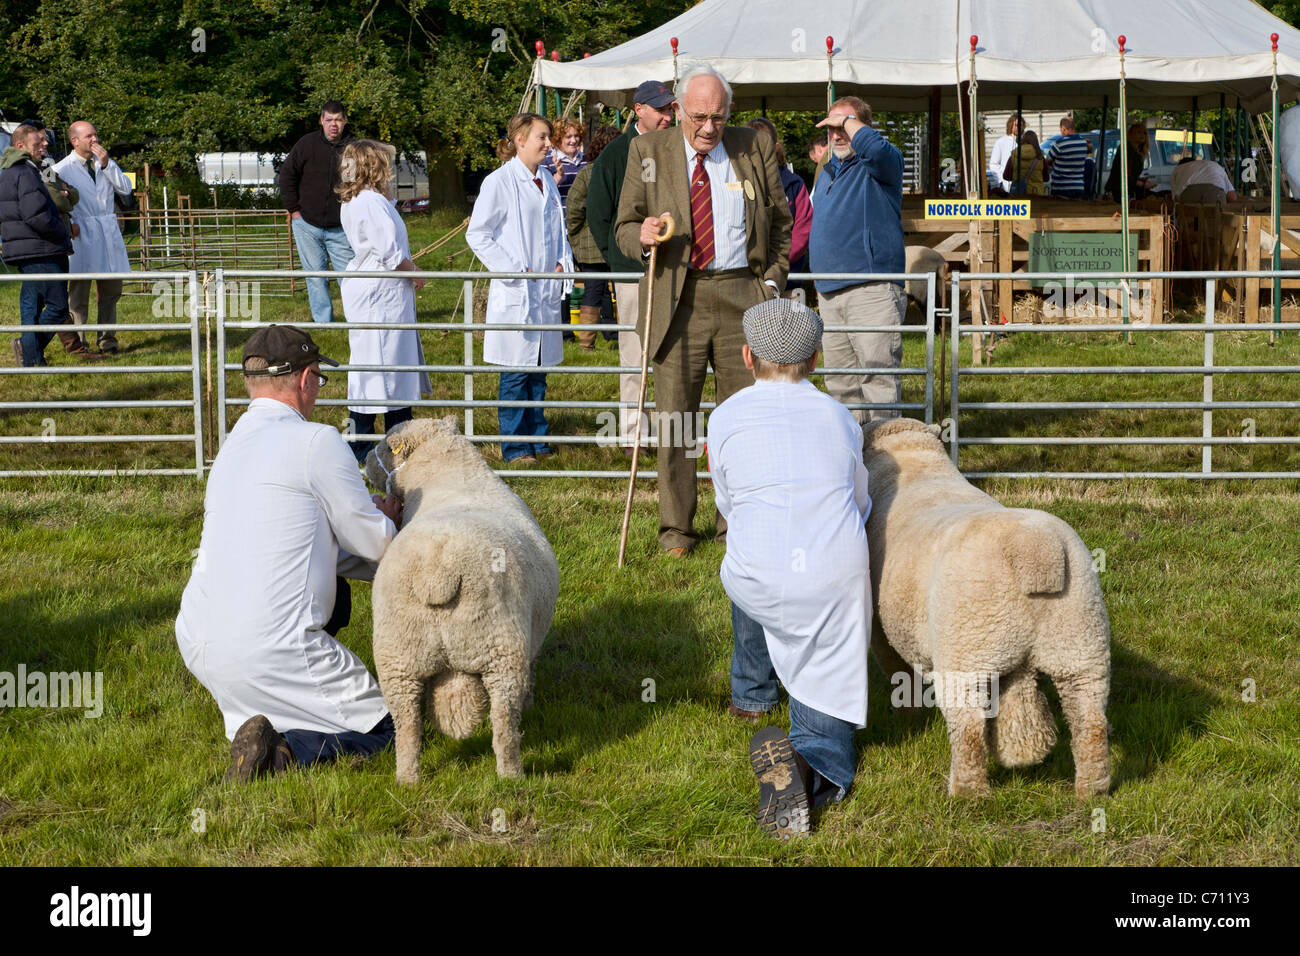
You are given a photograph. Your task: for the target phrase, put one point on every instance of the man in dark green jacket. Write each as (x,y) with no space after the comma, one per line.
(653,105)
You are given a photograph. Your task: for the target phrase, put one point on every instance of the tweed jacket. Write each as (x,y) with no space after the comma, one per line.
(657,181)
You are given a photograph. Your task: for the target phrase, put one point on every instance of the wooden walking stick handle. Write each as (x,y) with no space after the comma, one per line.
(667,227)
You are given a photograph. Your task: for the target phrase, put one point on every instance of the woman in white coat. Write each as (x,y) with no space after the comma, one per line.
(379,243)
(518,226)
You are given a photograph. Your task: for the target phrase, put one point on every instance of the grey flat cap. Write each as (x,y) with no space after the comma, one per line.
(782,331)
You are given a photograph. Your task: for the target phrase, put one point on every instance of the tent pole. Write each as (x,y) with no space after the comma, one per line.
(1101,147)
(974,180)
(936,133)
(1236,147)
(673,42)
(541,90)
(1195,121)
(830,73)
(1020,132)
(1123,183)
(1277,202)
(1223,125)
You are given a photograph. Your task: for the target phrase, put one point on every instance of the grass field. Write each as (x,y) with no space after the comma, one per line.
(1200,581)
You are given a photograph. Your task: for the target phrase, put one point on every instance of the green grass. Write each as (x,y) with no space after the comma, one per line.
(1199,580)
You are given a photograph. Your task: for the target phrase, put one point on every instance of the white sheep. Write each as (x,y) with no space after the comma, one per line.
(464,596)
(965,586)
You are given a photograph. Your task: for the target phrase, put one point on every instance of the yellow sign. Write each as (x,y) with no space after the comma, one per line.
(131,177)
(977,209)
(1183,136)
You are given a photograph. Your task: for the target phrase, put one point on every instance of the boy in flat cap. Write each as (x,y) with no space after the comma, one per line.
(286,518)
(786,462)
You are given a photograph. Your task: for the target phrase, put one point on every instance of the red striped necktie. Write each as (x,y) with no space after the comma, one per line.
(701,216)
(538,183)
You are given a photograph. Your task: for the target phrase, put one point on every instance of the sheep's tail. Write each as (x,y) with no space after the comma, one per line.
(1037,557)
(457,703)
(441,584)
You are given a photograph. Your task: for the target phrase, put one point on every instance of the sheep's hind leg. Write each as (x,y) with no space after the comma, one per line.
(505,693)
(969,771)
(1084,701)
(404,698)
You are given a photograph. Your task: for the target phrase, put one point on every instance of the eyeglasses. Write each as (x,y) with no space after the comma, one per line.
(320,379)
(705,119)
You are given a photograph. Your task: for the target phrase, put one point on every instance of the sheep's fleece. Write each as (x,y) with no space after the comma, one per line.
(965,586)
(463,597)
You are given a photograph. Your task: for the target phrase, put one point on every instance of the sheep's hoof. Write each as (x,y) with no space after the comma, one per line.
(1096,788)
(510,771)
(409,779)
(980,789)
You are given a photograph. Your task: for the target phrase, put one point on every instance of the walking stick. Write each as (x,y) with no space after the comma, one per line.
(668,227)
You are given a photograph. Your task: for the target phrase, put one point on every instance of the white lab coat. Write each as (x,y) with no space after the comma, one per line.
(99,248)
(285,512)
(378,238)
(515,228)
(786,461)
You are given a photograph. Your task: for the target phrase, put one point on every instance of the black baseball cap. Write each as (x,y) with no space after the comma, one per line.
(653,93)
(285,350)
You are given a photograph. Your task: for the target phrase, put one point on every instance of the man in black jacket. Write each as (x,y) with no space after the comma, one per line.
(307,180)
(36,242)
(653,105)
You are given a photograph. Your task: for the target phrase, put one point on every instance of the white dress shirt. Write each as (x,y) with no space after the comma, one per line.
(728,206)
(99,248)
(1199,172)
(786,462)
(516,228)
(285,509)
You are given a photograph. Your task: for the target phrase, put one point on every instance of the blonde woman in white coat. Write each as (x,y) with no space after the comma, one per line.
(518,226)
(379,243)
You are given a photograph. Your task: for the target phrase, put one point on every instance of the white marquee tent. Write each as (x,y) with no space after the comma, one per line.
(899,53)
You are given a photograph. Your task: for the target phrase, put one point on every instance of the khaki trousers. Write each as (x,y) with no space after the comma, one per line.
(872,303)
(110,290)
(705,329)
(628,299)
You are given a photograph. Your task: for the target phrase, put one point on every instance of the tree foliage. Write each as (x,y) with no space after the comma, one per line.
(177,77)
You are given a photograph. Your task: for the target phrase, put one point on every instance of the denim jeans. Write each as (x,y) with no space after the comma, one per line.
(42,302)
(522,387)
(825,742)
(317,250)
(312,746)
(364,424)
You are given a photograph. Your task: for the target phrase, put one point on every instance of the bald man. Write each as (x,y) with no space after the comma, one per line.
(100,247)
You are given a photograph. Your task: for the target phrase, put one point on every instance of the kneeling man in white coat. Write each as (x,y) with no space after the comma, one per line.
(286,519)
(786,461)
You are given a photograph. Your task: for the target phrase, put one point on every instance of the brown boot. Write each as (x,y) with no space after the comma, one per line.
(72,343)
(587,315)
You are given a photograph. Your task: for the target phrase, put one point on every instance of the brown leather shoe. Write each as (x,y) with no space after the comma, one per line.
(253,752)
(18,352)
(748,716)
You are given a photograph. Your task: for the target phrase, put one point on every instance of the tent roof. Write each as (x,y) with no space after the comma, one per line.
(1053,53)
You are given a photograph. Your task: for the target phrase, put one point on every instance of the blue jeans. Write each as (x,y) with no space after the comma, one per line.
(364,424)
(42,303)
(825,742)
(529,422)
(317,250)
(312,746)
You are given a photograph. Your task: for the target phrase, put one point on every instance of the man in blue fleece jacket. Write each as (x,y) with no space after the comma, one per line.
(857,227)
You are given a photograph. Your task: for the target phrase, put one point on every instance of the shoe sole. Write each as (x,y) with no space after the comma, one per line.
(782,794)
(250,751)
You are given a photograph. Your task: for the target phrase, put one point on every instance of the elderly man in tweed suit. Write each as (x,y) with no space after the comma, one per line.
(731,250)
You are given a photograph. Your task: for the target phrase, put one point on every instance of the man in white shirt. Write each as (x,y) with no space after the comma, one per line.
(1200,172)
(286,517)
(99,248)
(786,462)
